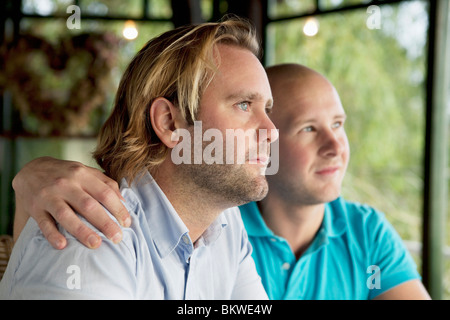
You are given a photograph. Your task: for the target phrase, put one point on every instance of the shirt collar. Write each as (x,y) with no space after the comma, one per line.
(335,218)
(166,228)
(333,224)
(253,221)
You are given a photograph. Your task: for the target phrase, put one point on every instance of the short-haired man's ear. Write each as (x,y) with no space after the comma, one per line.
(165,119)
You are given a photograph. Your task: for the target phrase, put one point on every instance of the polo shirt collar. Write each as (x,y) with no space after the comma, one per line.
(334,221)
(253,221)
(333,224)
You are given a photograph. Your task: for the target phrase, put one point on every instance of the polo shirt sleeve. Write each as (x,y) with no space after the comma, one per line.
(38,271)
(389,259)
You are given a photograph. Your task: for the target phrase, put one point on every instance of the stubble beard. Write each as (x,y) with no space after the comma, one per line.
(230,183)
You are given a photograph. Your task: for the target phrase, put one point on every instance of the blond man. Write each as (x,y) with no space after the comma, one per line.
(186,239)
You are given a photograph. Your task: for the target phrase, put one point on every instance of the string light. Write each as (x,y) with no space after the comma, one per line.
(130,31)
(311,27)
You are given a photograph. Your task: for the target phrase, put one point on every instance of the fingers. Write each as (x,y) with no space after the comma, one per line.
(93,212)
(49,189)
(112,184)
(107,192)
(68,220)
(45,223)
(51,233)
(92,190)
(111,202)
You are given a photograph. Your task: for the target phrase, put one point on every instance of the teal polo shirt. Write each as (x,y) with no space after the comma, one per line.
(355,255)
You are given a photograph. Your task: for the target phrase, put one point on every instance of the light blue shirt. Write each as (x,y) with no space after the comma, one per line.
(155,260)
(355,255)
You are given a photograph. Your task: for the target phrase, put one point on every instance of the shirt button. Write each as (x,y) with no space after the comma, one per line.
(185,239)
(286,266)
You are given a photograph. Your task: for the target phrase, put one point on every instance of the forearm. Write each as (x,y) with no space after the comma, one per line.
(25,188)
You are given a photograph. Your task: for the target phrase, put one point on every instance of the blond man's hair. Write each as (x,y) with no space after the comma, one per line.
(178,65)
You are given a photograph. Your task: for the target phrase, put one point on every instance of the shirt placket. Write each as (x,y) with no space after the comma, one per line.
(198,273)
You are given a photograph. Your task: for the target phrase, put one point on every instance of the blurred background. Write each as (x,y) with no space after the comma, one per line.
(61,61)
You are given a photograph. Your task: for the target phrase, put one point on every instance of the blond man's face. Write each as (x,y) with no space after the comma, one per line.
(237,99)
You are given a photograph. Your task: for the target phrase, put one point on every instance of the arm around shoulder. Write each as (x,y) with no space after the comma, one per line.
(49,189)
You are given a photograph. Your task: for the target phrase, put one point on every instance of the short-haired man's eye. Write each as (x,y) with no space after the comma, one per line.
(337,124)
(244,105)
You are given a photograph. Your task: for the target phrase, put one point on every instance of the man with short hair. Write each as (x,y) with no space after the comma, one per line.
(308,242)
(186,239)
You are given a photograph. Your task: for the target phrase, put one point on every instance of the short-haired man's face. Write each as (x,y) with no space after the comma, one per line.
(235,104)
(313,146)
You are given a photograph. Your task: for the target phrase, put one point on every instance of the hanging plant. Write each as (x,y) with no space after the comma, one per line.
(57,88)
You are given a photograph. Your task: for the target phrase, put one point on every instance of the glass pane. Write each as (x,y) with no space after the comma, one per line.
(207,9)
(45,7)
(160,9)
(131,8)
(379,74)
(148,31)
(333,4)
(446,295)
(59,82)
(281,8)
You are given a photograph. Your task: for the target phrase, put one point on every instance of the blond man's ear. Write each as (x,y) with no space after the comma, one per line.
(166,119)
